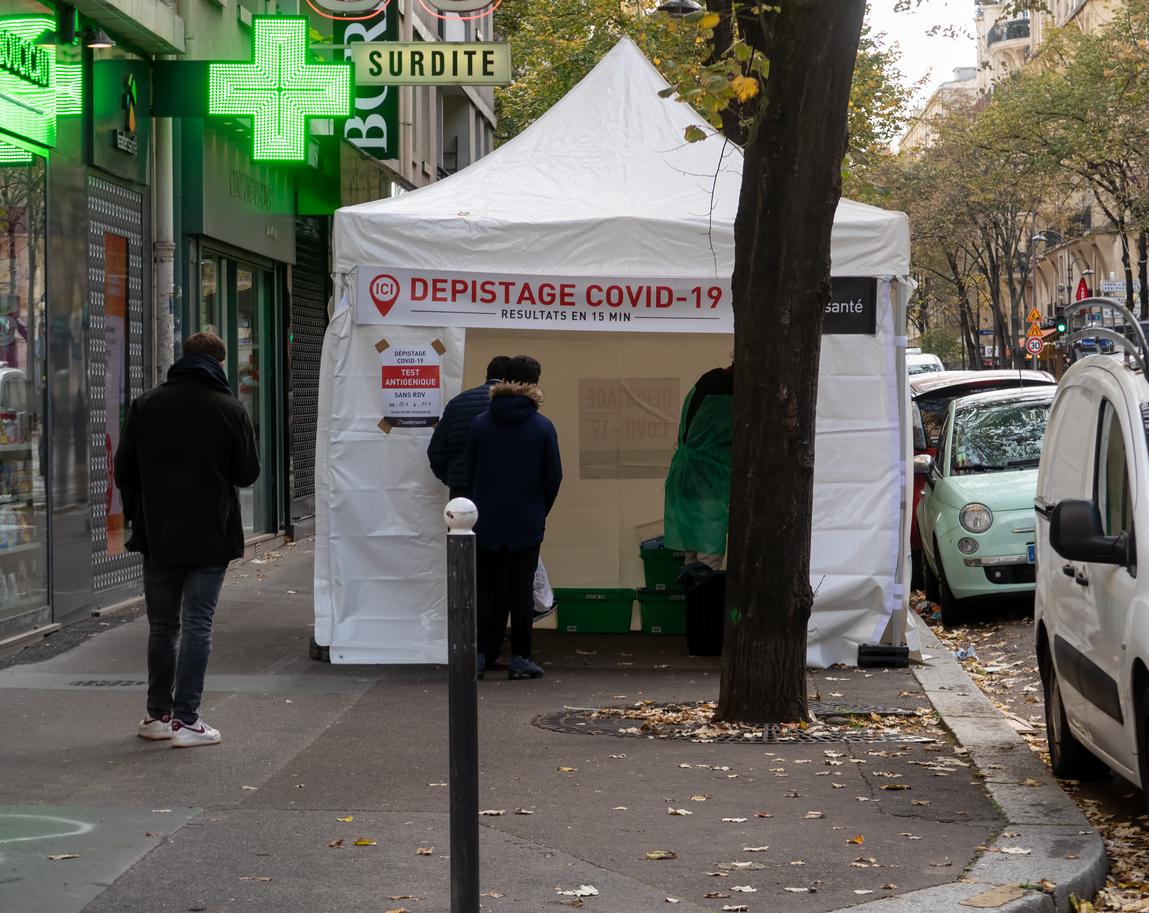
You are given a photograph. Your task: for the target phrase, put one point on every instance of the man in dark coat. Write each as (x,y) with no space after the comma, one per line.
(186,445)
(447,451)
(514,469)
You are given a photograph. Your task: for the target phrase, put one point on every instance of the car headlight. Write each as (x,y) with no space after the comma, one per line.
(975,517)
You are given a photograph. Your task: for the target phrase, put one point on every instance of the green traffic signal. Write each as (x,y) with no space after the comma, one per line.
(1061,324)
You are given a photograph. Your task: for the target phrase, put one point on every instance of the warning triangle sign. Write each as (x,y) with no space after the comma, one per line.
(1034,330)
(1034,316)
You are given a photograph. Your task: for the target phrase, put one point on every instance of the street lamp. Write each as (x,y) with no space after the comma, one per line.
(1049,236)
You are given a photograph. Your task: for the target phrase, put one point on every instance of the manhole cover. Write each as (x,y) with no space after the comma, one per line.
(594,722)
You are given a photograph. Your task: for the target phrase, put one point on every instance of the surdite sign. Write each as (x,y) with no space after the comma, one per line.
(351,10)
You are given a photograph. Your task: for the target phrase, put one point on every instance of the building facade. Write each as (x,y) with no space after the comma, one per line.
(131,219)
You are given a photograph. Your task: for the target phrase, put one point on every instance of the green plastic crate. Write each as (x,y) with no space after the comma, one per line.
(660,567)
(663,611)
(594,611)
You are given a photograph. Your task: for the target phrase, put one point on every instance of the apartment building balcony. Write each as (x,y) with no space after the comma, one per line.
(1008,30)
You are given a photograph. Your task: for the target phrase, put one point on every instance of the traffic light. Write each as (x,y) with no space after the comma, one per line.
(1062,323)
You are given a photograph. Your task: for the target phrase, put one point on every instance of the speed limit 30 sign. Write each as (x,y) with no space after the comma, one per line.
(1034,345)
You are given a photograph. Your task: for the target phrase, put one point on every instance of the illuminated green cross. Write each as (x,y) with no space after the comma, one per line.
(279,90)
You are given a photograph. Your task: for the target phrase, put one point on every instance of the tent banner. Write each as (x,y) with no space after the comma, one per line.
(417,297)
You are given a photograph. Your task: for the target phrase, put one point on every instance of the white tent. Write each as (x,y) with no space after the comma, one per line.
(600,196)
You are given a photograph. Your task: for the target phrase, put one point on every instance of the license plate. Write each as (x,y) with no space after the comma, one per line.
(1031,553)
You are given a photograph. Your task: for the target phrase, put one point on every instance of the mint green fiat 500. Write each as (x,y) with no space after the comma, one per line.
(976,512)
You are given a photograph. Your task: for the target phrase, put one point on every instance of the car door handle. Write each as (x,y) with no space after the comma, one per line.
(1069,570)
(1080,579)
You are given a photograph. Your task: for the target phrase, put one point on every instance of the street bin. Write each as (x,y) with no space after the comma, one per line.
(705,591)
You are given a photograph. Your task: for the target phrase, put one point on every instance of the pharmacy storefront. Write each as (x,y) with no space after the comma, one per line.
(73,287)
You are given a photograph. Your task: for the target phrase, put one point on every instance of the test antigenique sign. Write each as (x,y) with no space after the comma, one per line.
(453,63)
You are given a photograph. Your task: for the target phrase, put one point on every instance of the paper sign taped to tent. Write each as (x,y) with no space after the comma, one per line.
(628,427)
(410,297)
(412,386)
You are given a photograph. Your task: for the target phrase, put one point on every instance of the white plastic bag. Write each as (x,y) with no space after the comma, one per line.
(544,595)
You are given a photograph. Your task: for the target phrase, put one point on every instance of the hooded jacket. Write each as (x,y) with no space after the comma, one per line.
(447,452)
(513,468)
(186,445)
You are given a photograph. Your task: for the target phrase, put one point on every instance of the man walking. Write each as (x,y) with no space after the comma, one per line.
(447,451)
(514,470)
(186,445)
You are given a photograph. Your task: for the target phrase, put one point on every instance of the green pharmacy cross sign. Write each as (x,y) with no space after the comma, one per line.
(279,90)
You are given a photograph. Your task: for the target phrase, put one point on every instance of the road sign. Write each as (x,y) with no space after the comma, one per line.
(1082,290)
(1034,346)
(1034,316)
(280,90)
(1034,330)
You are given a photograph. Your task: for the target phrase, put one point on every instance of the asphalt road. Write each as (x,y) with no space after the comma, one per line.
(1005,668)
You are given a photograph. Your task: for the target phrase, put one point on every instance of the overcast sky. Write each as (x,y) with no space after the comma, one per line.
(922,55)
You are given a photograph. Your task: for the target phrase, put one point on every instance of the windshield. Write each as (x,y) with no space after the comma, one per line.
(998,436)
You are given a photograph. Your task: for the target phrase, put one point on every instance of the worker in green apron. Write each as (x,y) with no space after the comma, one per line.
(697,506)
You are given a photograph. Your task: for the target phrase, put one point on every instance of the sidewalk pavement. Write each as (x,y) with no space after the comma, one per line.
(318,758)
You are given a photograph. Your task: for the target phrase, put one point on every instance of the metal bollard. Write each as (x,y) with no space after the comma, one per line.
(461,516)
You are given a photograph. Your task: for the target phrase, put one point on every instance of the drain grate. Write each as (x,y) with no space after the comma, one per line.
(823,708)
(106,683)
(587,722)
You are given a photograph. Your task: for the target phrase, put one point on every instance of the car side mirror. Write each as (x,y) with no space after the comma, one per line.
(1076,534)
(923,464)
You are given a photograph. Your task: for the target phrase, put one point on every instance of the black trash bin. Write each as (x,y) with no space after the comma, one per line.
(705,591)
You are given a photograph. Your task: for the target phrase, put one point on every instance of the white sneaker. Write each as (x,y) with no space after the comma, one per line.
(185,736)
(155,729)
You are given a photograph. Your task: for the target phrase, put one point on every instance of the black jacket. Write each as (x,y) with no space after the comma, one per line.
(447,451)
(186,445)
(514,468)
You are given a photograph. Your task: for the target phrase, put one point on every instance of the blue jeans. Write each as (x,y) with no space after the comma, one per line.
(179,597)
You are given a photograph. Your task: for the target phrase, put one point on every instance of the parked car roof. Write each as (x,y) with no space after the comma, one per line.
(929,383)
(991,397)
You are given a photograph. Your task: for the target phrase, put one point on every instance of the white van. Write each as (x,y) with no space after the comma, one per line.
(1091,615)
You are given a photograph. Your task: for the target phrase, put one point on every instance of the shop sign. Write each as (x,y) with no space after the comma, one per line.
(444,63)
(361,10)
(407,297)
(1082,290)
(852,308)
(412,385)
(373,126)
(27,80)
(121,117)
(280,90)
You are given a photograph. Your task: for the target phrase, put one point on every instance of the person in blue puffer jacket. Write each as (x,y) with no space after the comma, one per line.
(447,451)
(514,470)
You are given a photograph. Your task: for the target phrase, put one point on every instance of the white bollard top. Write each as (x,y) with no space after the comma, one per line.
(461,516)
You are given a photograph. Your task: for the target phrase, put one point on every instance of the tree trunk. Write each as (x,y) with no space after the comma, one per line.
(790,189)
(1142,256)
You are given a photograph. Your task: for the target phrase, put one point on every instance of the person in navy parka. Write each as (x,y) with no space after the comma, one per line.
(514,472)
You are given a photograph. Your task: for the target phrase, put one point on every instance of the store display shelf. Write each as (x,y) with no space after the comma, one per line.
(19,549)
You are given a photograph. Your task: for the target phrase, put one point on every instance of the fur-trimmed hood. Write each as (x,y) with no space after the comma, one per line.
(513,403)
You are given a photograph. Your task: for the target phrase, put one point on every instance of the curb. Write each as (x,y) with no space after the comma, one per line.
(1064,847)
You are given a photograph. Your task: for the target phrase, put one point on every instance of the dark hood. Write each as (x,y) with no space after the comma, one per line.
(514,403)
(201,369)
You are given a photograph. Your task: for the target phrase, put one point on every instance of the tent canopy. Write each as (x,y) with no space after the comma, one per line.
(603,184)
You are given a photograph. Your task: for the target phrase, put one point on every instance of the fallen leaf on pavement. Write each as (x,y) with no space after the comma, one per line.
(919,801)
(889,886)
(733,820)
(815,814)
(662,854)
(523,811)
(424,851)
(699,798)
(678,812)
(994,898)
(255,878)
(735,908)
(744,888)
(59,856)
(763,815)
(336,844)
(493,812)
(859,840)
(1029,781)
(863,891)
(583,890)
(365,841)
(715,895)
(346,820)
(755,849)
(797,890)
(619,808)
(673,900)
(396,910)
(567,770)
(1016,851)
(895,787)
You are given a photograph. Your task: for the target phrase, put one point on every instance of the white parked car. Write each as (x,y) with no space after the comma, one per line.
(919,363)
(1091,618)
